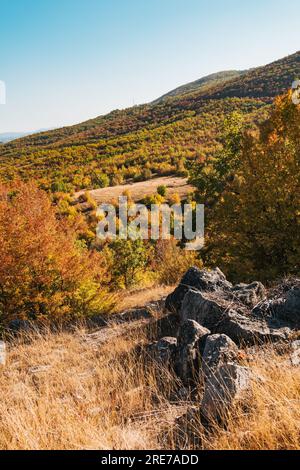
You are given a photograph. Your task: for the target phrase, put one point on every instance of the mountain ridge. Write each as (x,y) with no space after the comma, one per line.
(150,139)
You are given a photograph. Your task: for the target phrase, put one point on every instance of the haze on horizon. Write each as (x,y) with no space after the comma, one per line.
(66,61)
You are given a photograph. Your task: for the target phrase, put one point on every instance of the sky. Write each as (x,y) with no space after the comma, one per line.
(65,61)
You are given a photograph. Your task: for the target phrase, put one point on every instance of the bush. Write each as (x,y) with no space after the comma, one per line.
(171,262)
(130,257)
(162,190)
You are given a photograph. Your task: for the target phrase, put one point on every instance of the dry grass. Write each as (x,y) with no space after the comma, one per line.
(270,416)
(72,391)
(142,297)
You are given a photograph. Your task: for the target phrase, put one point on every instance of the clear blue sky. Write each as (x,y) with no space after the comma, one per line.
(65,61)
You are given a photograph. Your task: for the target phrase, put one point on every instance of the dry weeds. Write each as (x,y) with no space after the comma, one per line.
(68,391)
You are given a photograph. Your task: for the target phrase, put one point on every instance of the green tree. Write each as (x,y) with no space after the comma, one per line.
(255,228)
(211,175)
(130,257)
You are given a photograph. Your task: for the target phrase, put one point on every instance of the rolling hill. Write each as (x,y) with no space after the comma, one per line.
(152,139)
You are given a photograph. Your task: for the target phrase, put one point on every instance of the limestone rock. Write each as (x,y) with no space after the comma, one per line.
(219,350)
(285,309)
(249,294)
(216,315)
(164,350)
(201,280)
(223,390)
(191,340)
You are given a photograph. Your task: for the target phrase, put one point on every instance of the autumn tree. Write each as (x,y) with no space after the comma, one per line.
(45,272)
(255,229)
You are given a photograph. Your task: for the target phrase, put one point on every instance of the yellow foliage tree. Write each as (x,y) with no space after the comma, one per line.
(255,228)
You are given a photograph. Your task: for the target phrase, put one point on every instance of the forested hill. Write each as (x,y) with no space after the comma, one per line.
(155,138)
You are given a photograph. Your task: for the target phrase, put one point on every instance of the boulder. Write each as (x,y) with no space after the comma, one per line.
(201,280)
(285,309)
(223,391)
(201,308)
(217,315)
(219,350)
(249,294)
(245,330)
(164,350)
(2,353)
(191,340)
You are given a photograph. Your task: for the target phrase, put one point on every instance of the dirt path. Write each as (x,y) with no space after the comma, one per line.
(141,189)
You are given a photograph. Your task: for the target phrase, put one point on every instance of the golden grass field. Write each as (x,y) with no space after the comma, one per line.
(96,390)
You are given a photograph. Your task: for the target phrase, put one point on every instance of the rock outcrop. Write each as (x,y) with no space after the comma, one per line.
(219,350)
(285,308)
(223,390)
(215,318)
(164,350)
(191,340)
(219,316)
(201,280)
(249,294)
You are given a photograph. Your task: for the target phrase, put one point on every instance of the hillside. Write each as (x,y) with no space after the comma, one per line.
(147,140)
(204,84)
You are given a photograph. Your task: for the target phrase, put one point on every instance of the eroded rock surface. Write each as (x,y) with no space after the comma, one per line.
(164,350)
(249,294)
(223,391)
(191,340)
(219,316)
(201,280)
(219,350)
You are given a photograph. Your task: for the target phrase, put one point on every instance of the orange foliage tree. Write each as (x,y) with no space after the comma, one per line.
(44,271)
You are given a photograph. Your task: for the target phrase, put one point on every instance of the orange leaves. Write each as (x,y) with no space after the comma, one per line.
(40,265)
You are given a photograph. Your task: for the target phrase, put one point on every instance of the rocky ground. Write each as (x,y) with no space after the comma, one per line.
(211,366)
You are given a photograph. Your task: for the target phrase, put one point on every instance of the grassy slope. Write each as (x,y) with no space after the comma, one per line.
(88,391)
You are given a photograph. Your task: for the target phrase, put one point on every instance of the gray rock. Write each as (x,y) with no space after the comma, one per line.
(295,356)
(249,294)
(248,331)
(223,390)
(17,326)
(216,315)
(164,350)
(191,340)
(2,353)
(201,280)
(219,350)
(284,309)
(204,310)
(290,310)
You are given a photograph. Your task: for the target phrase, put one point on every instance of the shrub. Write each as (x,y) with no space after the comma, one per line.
(162,190)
